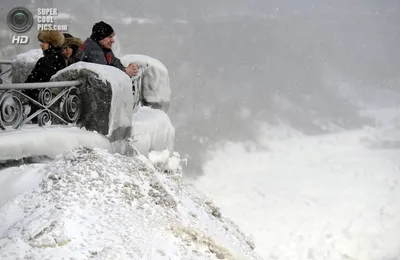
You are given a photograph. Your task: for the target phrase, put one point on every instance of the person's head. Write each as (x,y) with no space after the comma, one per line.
(71,46)
(67,52)
(104,34)
(50,39)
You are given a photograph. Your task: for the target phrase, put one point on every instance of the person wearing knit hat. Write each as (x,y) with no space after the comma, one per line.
(97,49)
(100,31)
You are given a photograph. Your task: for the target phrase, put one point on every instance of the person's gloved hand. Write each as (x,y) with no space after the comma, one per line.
(132,70)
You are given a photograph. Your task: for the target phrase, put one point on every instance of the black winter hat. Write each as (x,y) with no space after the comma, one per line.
(100,31)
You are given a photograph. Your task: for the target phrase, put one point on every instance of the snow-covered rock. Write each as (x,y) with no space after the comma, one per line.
(94,205)
(107,95)
(156,90)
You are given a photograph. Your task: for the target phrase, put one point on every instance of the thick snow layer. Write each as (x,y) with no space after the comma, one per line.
(320,197)
(16,180)
(122,98)
(156,84)
(24,63)
(153,131)
(31,56)
(93,205)
(50,141)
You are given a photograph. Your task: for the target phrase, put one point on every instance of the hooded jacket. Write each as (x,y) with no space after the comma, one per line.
(73,43)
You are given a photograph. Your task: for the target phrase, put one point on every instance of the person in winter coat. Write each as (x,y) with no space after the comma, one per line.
(52,60)
(97,49)
(70,48)
(48,65)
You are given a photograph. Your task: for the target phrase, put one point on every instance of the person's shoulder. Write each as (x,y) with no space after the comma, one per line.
(84,44)
(89,45)
(42,60)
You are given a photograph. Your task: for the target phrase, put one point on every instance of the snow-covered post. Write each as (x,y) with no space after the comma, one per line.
(106,95)
(155,83)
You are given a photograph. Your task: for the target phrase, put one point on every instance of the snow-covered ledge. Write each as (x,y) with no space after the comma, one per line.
(89,204)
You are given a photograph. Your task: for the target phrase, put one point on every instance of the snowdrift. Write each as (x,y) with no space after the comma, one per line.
(94,205)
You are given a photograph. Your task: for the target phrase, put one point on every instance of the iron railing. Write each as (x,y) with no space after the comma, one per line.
(51,102)
(137,88)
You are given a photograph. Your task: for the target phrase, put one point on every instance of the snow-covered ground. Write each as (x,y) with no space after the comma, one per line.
(94,205)
(311,197)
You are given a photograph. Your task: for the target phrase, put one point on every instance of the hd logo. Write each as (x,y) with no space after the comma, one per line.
(20,20)
(20,39)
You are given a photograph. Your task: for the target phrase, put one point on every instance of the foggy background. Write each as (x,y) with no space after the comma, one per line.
(237,65)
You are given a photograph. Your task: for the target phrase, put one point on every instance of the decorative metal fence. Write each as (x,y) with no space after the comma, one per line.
(37,103)
(51,102)
(48,102)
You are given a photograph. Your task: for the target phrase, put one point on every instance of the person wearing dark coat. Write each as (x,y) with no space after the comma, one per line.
(48,65)
(52,60)
(97,49)
(70,48)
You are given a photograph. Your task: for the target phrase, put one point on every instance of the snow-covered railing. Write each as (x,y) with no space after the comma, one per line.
(56,102)
(137,87)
